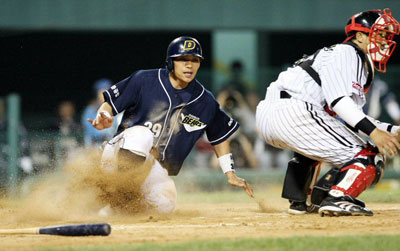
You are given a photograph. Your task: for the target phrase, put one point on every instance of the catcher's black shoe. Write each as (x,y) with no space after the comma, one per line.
(301,207)
(343,206)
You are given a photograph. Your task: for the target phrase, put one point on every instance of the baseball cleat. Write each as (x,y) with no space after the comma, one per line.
(299,208)
(342,206)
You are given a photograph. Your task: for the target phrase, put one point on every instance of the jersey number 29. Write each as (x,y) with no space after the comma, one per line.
(155,128)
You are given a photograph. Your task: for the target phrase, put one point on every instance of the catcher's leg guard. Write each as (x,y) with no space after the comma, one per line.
(323,186)
(353,178)
(299,174)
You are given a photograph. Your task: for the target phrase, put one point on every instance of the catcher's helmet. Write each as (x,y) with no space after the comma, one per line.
(381,27)
(362,21)
(182,46)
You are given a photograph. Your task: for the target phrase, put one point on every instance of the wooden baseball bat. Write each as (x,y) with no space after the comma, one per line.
(65,230)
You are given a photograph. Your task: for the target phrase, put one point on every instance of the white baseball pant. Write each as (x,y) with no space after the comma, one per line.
(308,129)
(158,188)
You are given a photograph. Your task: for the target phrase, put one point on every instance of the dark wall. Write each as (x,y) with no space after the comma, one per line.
(287,47)
(48,67)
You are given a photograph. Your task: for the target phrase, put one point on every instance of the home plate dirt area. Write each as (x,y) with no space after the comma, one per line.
(197,221)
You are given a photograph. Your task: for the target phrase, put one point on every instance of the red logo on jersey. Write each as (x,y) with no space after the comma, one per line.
(358,87)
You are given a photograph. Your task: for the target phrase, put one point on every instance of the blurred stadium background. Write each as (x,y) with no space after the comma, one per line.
(53,51)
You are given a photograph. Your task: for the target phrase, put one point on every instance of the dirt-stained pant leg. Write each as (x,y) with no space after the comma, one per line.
(158,188)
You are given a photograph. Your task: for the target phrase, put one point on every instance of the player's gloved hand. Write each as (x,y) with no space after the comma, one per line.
(102,121)
(234,180)
(387,143)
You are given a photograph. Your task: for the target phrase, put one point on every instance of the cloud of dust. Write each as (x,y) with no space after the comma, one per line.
(266,208)
(81,188)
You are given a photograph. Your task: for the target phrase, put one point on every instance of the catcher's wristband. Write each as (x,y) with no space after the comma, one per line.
(366,126)
(226,163)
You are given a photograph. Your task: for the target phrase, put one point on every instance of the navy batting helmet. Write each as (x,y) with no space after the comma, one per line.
(182,46)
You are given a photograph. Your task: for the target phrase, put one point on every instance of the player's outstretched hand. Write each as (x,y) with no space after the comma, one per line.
(234,180)
(102,121)
(387,143)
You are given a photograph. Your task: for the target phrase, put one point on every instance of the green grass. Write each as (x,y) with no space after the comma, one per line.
(386,191)
(364,242)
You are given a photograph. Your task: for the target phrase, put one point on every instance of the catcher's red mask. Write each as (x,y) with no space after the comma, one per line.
(381,35)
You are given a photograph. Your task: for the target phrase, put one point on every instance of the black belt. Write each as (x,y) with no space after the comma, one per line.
(284,94)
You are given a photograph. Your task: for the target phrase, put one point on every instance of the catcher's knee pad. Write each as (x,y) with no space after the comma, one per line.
(138,139)
(356,175)
(374,158)
(298,177)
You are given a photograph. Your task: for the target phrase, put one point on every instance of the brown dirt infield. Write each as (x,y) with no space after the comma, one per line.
(72,197)
(196,221)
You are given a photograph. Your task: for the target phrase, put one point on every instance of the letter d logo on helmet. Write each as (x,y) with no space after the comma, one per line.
(182,46)
(189,45)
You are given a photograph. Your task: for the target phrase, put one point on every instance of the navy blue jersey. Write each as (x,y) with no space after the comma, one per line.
(178,118)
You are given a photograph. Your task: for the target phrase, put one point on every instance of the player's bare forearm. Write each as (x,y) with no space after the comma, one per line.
(222,148)
(105,107)
(104,118)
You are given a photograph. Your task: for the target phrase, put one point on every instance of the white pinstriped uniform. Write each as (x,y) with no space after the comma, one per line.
(300,123)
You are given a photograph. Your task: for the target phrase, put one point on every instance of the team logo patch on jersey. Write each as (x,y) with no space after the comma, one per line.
(189,45)
(192,123)
(358,87)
